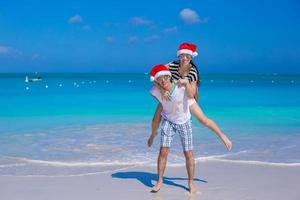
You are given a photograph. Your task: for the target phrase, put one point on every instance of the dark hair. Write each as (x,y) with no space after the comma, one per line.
(198,74)
(177,62)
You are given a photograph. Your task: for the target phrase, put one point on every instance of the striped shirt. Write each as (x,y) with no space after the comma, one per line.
(174,69)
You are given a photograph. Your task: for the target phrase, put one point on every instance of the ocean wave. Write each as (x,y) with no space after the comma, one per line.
(12,165)
(86,172)
(72,163)
(220,158)
(21,161)
(69,175)
(252,162)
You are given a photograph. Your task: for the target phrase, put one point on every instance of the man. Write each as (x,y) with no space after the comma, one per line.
(176,119)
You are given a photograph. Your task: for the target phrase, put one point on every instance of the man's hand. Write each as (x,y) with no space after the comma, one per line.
(150,140)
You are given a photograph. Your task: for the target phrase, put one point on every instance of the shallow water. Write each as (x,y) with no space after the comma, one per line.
(72,124)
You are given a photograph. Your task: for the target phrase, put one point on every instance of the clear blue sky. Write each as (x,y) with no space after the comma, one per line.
(260,36)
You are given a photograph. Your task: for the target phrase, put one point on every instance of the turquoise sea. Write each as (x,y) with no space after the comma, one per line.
(71,124)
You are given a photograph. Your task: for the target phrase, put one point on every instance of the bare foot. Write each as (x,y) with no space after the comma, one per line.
(228,144)
(192,188)
(157,187)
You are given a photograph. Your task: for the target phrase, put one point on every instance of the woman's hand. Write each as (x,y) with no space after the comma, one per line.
(165,95)
(182,82)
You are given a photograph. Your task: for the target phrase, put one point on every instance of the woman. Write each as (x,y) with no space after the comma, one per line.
(186,73)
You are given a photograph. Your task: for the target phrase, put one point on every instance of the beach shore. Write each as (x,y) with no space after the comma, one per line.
(214,180)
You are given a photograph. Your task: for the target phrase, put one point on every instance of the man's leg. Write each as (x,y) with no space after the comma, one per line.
(185,131)
(190,167)
(161,166)
(167,134)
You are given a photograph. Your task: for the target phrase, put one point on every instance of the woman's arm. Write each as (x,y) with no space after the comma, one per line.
(190,88)
(196,97)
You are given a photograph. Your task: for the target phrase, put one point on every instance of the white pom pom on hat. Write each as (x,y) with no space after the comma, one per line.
(152,78)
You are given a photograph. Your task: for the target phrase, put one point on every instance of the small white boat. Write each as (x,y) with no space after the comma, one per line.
(32,79)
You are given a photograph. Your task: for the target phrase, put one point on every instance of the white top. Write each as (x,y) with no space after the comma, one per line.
(177,110)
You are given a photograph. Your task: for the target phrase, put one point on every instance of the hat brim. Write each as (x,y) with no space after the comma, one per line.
(162,73)
(187,51)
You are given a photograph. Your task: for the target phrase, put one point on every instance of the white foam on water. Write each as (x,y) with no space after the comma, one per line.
(74,164)
(253,162)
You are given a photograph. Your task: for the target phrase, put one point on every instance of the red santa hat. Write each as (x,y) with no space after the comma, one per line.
(187,48)
(159,70)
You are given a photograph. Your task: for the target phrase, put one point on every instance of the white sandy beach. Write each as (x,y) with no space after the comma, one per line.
(215,180)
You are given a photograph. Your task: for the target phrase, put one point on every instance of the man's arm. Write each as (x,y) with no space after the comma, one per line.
(155,124)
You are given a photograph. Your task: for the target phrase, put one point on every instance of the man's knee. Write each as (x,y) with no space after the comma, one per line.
(189,155)
(164,151)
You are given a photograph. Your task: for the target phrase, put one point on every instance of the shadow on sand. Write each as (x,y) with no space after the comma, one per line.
(147,178)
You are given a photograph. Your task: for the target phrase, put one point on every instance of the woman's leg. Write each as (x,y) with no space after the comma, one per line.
(200,116)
